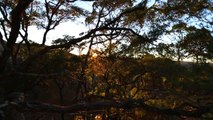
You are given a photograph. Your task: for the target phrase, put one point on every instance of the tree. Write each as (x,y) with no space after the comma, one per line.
(165,50)
(108,22)
(198,43)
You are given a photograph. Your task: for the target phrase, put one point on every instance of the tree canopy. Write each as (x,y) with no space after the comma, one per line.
(129,70)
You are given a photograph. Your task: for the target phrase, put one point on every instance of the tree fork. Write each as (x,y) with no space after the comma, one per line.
(16,16)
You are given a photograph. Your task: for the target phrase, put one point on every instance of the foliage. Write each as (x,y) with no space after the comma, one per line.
(123,75)
(198,43)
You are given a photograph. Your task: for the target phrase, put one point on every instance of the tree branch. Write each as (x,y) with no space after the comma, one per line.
(128,104)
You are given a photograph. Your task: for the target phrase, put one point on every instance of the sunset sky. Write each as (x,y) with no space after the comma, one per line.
(66,28)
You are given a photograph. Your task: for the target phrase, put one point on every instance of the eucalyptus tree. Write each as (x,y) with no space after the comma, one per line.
(198,43)
(145,19)
(106,21)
